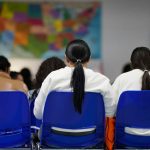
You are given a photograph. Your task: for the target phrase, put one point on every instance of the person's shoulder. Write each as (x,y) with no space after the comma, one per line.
(123,76)
(17,82)
(19,85)
(129,74)
(96,75)
(58,72)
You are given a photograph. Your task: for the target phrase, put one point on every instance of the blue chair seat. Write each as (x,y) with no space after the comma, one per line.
(133,111)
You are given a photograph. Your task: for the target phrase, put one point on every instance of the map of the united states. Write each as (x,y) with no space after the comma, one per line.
(40,29)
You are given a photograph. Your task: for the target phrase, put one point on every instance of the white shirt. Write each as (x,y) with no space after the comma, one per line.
(131,80)
(60,81)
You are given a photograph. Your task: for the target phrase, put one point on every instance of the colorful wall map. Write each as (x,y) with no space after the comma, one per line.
(41,30)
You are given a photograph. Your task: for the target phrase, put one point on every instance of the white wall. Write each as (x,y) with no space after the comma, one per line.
(33,65)
(126,25)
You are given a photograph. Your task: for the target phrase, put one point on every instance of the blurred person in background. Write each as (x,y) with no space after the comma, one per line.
(6,83)
(46,67)
(16,75)
(127,67)
(27,78)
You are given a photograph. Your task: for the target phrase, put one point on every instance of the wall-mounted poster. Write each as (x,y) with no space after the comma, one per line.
(41,30)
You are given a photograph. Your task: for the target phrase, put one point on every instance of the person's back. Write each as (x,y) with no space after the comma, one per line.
(6,83)
(94,81)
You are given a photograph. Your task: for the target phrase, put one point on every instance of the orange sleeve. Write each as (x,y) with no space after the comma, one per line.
(110,133)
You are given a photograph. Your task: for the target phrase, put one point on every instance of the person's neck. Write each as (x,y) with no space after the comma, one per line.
(4,74)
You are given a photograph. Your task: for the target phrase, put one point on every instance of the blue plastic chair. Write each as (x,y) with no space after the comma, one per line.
(14,120)
(35,123)
(133,111)
(59,112)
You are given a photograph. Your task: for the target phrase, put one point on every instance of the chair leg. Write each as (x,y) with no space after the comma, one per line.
(33,146)
(38,146)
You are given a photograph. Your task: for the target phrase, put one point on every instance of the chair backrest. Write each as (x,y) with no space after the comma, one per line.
(14,119)
(35,123)
(59,112)
(133,111)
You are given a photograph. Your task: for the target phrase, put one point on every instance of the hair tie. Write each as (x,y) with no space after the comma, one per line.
(145,70)
(78,60)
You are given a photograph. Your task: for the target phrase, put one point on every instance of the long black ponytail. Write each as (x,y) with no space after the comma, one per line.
(140,59)
(78,53)
(78,83)
(146,80)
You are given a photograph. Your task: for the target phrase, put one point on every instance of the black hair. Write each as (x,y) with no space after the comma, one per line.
(26,73)
(14,74)
(78,52)
(4,64)
(47,66)
(140,59)
(127,67)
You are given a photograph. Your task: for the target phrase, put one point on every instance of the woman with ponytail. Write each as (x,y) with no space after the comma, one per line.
(76,77)
(136,79)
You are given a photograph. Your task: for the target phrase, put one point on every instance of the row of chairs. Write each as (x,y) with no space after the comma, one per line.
(62,127)
(83,130)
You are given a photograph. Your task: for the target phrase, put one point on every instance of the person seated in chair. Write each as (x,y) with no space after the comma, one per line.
(78,78)
(136,79)
(6,83)
(47,66)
